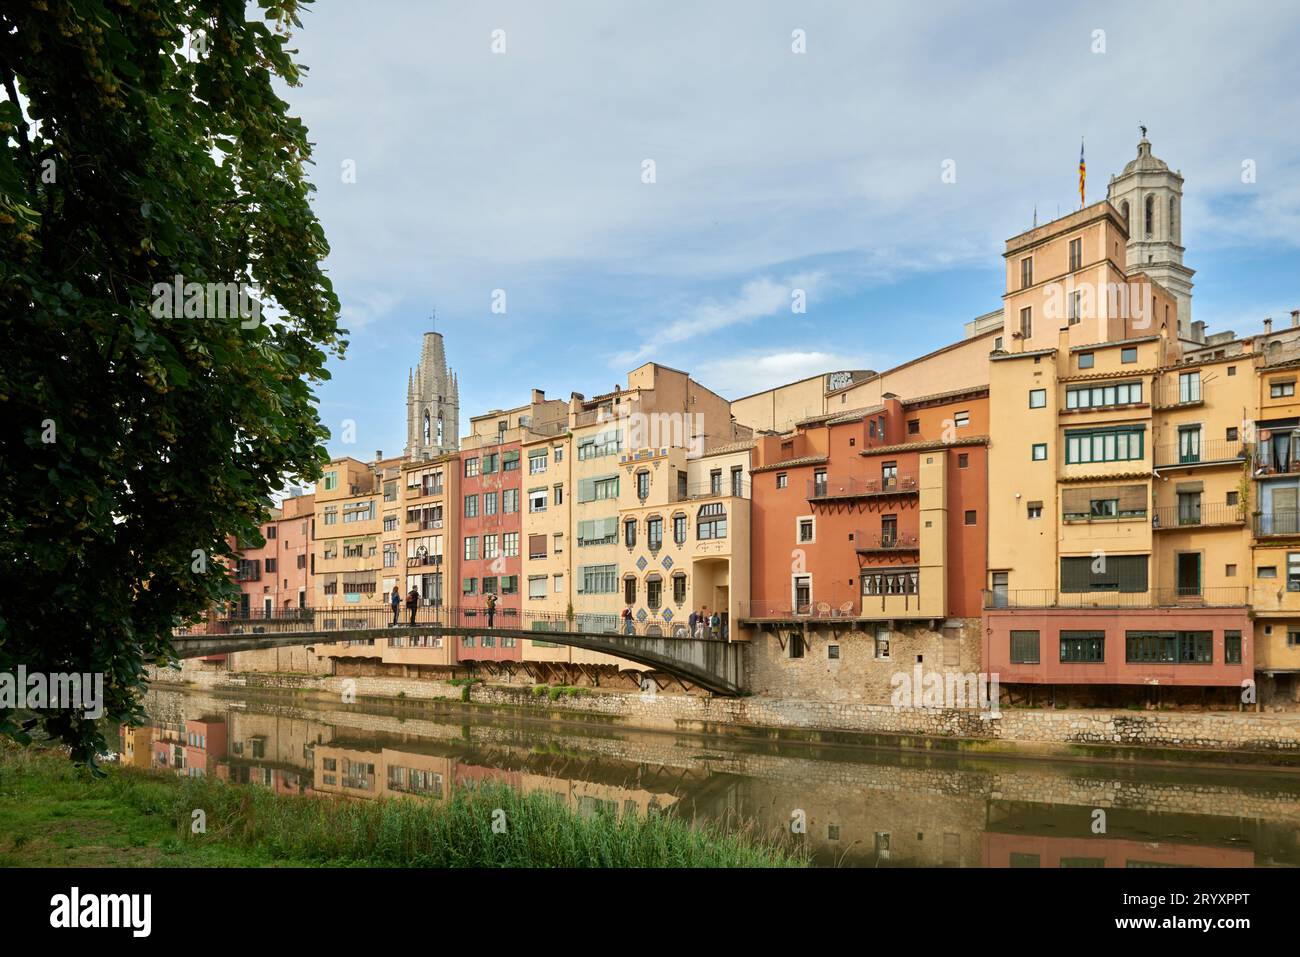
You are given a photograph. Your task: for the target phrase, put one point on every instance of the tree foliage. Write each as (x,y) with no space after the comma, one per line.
(145,140)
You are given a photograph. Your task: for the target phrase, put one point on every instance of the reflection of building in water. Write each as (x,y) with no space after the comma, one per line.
(136,744)
(1028,850)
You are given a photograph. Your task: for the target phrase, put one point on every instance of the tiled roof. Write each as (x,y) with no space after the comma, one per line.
(924,446)
(1114,342)
(999,356)
(843,415)
(953,394)
(730,447)
(790,464)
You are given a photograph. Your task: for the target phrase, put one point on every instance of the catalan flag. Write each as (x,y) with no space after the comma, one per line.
(1083,173)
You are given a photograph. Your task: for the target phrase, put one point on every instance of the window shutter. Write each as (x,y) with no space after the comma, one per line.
(1074,501)
(1132,498)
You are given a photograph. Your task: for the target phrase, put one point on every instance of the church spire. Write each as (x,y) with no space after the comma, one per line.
(432,403)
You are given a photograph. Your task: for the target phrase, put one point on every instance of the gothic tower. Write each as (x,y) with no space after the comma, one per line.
(1150,198)
(432,404)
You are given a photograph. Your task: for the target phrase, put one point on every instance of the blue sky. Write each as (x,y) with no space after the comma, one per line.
(522,171)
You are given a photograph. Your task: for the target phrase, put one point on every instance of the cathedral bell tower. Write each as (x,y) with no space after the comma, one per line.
(432,404)
(1149,197)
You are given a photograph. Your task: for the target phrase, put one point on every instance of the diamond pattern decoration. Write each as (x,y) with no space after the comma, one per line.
(668,614)
(641,563)
(640,614)
(668,561)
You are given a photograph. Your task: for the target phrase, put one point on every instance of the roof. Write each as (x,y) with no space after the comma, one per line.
(973,391)
(1145,161)
(926,446)
(999,356)
(790,464)
(729,447)
(842,415)
(1114,342)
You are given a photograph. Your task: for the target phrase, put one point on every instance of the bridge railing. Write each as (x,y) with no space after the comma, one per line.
(349,617)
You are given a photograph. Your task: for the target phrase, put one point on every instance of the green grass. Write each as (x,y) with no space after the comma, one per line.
(53,814)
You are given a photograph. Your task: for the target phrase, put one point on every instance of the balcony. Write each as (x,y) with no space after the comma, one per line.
(839,605)
(1189,454)
(1222,596)
(1277,455)
(423,525)
(1168,517)
(1283,521)
(868,542)
(1178,395)
(850,488)
(422,561)
(725,489)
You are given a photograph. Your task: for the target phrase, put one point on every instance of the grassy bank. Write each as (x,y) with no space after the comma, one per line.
(53,815)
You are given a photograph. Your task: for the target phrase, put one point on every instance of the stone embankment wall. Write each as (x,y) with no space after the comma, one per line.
(1051,732)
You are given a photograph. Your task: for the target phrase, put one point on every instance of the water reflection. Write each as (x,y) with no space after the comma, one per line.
(854,807)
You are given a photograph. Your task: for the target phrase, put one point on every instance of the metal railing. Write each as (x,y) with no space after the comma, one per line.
(1172,394)
(1265,463)
(786,610)
(854,487)
(885,541)
(1285,521)
(1219,596)
(1184,516)
(430,614)
(725,489)
(1215,450)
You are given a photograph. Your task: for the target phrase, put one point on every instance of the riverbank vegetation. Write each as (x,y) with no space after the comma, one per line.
(55,814)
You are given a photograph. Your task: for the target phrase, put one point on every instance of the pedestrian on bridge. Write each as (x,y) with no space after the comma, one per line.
(412,603)
(628,627)
(694,622)
(395,599)
(491,608)
(715,626)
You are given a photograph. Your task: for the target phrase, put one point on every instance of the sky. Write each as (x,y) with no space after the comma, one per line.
(468,155)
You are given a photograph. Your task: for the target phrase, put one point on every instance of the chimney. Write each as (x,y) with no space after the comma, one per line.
(538,397)
(1295,318)
(379,455)
(1268,326)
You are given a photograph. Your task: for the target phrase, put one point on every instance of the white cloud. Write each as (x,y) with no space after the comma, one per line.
(739,375)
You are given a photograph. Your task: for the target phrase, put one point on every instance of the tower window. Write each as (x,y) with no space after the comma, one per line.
(1151,215)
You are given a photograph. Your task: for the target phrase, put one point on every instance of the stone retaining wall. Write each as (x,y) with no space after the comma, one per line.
(1245,731)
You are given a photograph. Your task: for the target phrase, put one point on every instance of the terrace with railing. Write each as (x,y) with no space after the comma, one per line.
(1199,452)
(885,541)
(1193,515)
(1283,521)
(845,488)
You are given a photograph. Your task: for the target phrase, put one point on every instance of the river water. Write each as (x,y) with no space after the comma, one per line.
(855,807)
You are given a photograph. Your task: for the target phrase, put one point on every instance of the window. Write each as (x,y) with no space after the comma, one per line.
(510,544)
(1169,647)
(331,481)
(1118,444)
(1039,453)
(1118,573)
(471,548)
(888,474)
(559,454)
(1229,571)
(1231,434)
(557,543)
(1037,398)
(1293,571)
(358,512)
(679,589)
(913,426)
(654,533)
(738,481)
(390,555)
(882,644)
(961,419)
(970,516)
(679,529)
(490,585)
(833,654)
(270,532)
(1189,387)
(1034,510)
(270,565)
(490,464)
(598,531)
(1026,272)
(711,522)
(510,501)
(715,482)
(469,586)
(643,485)
(1280,390)
(1128,354)
(1189,443)
(559,583)
(607,443)
(510,461)
(782,480)
(536,546)
(1092,397)
(904,581)
(558,494)
(1086,360)
(654,593)
(471,506)
(1232,647)
(598,579)
(1083,646)
(536,586)
(1074,308)
(806,530)
(997,344)
(629,591)
(1266,571)
(963,460)
(819,482)
(471,467)
(1103,508)
(1076,254)
(537,500)
(536,461)
(390,523)
(1024,648)
(489,503)
(629,533)
(1026,323)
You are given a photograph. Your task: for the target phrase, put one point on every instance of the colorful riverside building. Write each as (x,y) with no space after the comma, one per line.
(869,532)
(358,533)
(277,577)
(1116,478)
(491,491)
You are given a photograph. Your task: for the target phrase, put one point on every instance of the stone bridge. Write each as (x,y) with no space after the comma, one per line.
(712,663)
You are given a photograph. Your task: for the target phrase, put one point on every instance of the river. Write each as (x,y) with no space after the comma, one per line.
(856,807)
